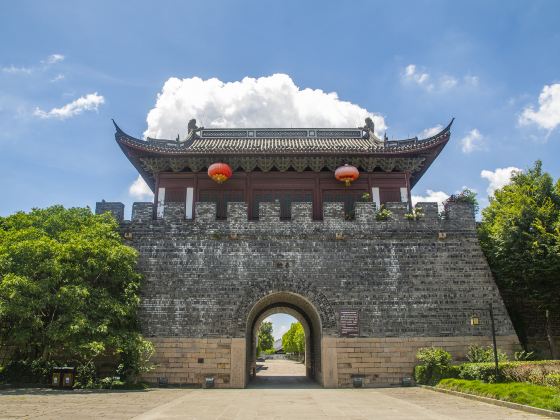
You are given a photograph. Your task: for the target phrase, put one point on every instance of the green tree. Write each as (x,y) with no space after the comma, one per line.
(266,340)
(293,341)
(520,234)
(465,196)
(69,290)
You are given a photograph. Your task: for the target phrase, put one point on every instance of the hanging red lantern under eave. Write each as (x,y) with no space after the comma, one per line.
(347,174)
(219,172)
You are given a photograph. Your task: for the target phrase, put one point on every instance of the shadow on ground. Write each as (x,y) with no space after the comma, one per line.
(279,374)
(279,382)
(65,392)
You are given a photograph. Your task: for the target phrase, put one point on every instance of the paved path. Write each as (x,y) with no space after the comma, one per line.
(281,374)
(266,400)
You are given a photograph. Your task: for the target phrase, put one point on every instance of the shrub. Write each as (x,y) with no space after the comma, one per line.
(434,365)
(478,371)
(533,372)
(466,196)
(383,214)
(27,371)
(416,214)
(552,379)
(479,354)
(433,356)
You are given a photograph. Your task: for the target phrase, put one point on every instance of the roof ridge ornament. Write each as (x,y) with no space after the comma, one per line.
(192,128)
(369,128)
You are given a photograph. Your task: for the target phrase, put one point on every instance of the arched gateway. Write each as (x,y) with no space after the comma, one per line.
(249,222)
(301,309)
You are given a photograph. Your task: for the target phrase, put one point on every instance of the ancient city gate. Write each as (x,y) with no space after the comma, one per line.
(284,234)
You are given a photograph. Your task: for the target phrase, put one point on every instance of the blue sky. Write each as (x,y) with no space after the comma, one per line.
(67,68)
(414,64)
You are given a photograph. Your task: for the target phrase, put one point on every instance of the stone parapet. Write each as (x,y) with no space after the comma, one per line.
(115,208)
(365,212)
(302,212)
(142,212)
(205,212)
(333,212)
(457,217)
(397,209)
(173,212)
(430,211)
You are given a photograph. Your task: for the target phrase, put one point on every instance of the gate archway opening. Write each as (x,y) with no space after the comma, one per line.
(303,311)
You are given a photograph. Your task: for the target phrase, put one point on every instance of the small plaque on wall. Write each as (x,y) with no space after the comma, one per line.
(349,323)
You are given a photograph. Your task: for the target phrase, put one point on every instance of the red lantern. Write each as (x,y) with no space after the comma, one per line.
(347,174)
(219,172)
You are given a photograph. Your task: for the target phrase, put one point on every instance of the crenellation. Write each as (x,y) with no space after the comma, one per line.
(174,212)
(237,212)
(269,211)
(365,212)
(430,211)
(460,215)
(302,212)
(142,212)
(115,208)
(333,212)
(204,212)
(397,209)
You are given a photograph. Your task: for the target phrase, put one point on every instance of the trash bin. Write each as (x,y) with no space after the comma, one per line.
(55,378)
(63,377)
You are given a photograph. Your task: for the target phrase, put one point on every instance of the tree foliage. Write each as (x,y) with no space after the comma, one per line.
(520,234)
(294,339)
(465,196)
(266,340)
(68,290)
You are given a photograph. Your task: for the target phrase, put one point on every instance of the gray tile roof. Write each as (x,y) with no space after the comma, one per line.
(277,141)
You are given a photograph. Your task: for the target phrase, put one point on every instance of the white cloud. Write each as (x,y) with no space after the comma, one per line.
(88,102)
(472,141)
(429,132)
(448,82)
(548,114)
(53,59)
(437,83)
(46,63)
(16,70)
(418,77)
(279,330)
(498,178)
(140,190)
(272,101)
(58,78)
(431,197)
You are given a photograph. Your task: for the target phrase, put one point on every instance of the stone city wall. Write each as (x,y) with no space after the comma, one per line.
(411,281)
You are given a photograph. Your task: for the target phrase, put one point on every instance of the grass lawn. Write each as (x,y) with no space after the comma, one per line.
(517,392)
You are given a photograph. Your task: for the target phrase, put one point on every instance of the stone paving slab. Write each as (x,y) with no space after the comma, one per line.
(280,391)
(253,403)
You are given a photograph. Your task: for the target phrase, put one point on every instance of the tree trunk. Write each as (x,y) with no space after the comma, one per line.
(550,338)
